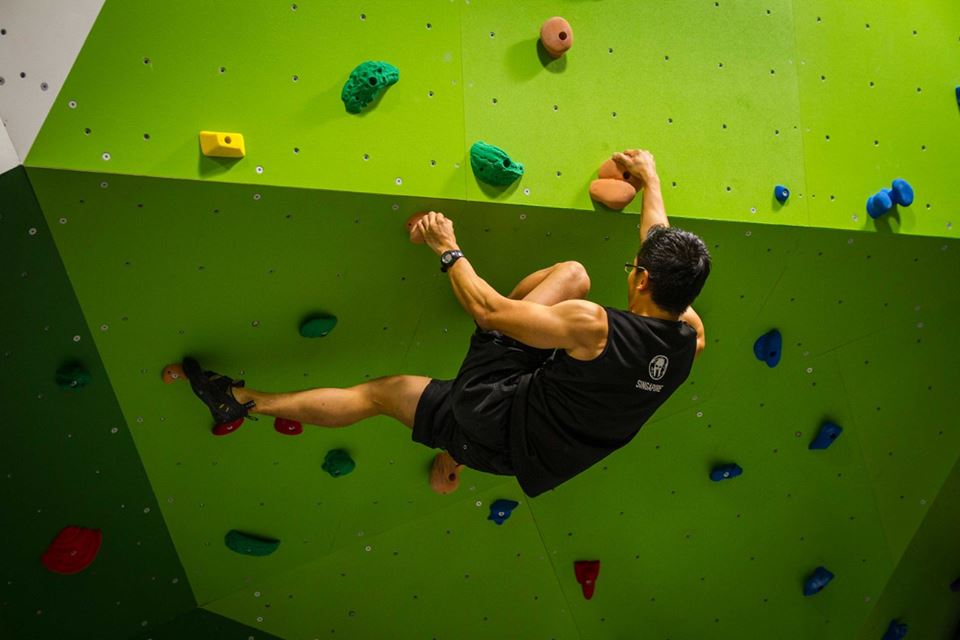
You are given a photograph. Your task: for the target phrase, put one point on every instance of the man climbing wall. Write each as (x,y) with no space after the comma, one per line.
(551,383)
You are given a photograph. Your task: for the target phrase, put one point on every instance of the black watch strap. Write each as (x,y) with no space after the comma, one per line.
(448,258)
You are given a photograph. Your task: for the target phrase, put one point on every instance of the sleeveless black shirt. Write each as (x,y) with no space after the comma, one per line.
(569,414)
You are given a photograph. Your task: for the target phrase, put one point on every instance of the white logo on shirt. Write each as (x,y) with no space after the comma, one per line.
(658,367)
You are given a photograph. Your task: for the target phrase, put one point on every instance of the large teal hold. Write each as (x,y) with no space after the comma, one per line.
(366,82)
(338,463)
(250,545)
(492,165)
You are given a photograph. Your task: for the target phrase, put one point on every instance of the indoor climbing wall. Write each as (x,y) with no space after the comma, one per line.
(138,250)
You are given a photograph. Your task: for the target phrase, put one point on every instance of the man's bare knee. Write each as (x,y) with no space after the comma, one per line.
(578,275)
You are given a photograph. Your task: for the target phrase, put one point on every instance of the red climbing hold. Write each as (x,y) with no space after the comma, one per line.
(587,572)
(227,427)
(288,427)
(72,550)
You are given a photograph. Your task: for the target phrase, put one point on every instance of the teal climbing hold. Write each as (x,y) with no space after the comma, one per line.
(365,84)
(72,376)
(492,165)
(338,463)
(250,545)
(318,326)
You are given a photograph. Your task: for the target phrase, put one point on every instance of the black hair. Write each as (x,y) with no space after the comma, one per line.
(677,264)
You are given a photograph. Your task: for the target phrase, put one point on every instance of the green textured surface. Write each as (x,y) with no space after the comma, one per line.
(226,268)
(201,624)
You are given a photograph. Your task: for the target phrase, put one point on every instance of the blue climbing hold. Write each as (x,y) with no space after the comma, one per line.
(781,193)
(828,433)
(895,631)
(955,585)
(958,95)
(879,203)
(902,192)
(501,510)
(767,348)
(815,583)
(725,472)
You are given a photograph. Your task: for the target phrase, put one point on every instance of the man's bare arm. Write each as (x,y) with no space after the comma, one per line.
(691,318)
(641,164)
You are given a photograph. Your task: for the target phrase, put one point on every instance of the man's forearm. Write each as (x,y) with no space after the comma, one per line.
(654,212)
(476,296)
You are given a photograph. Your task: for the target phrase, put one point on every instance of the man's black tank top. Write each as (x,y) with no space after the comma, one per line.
(570,414)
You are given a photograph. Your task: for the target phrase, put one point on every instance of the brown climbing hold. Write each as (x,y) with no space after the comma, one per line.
(173,372)
(614,194)
(445,474)
(556,36)
(416,236)
(610,169)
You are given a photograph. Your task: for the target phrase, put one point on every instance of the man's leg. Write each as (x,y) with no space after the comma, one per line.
(562,281)
(394,396)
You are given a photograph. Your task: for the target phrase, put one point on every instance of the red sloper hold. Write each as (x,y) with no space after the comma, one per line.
(288,427)
(73,550)
(587,572)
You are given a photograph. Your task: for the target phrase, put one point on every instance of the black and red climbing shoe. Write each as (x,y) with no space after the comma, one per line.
(214,390)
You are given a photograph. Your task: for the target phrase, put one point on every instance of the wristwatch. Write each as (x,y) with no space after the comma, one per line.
(448,258)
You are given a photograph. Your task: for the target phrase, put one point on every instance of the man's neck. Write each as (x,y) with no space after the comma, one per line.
(646,308)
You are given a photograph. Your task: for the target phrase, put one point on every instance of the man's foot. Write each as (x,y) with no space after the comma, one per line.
(216,391)
(445,474)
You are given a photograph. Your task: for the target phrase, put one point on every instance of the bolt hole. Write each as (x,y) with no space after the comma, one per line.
(563,35)
(227,139)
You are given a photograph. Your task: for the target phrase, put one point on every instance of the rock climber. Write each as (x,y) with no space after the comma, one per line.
(551,383)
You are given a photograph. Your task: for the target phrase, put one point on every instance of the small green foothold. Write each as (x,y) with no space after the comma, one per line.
(318,326)
(338,463)
(250,545)
(72,376)
(365,84)
(492,165)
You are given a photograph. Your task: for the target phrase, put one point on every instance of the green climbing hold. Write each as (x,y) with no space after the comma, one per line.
(250,545)
(72,376)
(366,82)
(492,165)
(318,326)
(338,463)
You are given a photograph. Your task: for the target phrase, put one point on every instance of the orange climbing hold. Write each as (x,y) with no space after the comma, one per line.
(556,36)
(173,372)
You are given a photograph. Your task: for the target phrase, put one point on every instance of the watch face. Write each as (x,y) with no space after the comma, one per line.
(446,257)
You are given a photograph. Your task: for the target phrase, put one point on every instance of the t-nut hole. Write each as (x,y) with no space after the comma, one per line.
(626,175)
(563,35)
(227,139)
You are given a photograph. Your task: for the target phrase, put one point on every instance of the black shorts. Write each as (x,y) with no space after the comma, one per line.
(469,416)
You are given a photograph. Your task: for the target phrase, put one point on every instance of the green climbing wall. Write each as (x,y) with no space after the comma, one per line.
(167,253)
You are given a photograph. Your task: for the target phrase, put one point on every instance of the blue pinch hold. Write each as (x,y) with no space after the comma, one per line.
(828,433)
(781,193)
(767,348)
(725,472)
(815,583)
(895,631)
(501,509)
(901,193)
(879,203)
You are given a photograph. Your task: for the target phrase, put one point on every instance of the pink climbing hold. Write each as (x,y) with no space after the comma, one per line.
(587,572)
(288,427)
(73,550)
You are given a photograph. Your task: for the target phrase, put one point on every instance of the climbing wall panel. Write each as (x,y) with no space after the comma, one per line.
(877,94)
(236,304)
(723,79)
(67,458)
(273,74)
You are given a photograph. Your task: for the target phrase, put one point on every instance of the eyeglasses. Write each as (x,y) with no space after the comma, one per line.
(629,266)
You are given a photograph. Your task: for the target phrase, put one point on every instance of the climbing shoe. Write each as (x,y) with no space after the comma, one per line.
(214,390)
